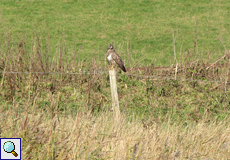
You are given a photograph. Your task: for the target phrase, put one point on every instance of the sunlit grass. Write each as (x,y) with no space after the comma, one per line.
(145,26)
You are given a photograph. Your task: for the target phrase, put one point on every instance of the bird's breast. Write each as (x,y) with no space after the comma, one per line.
(109,57)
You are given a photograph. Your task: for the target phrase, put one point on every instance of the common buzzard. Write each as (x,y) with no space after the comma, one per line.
(114,58)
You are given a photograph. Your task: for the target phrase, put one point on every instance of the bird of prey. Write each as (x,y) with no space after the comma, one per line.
(114,58)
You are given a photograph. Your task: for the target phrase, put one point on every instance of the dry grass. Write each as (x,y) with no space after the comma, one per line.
(84,136)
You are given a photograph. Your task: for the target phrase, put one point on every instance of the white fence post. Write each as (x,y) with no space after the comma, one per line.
(113,85)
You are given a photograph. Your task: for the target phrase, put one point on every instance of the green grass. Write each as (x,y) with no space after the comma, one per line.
(66,116)
(145,26)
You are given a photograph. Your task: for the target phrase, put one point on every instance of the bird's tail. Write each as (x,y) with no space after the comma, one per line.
(123,68)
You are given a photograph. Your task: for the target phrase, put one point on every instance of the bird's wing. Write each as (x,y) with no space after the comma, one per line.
(118,60)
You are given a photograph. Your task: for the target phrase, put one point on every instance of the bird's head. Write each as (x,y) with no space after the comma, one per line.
(110,47)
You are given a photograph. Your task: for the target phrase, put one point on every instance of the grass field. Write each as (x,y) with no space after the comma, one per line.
(168,113)
(145,26)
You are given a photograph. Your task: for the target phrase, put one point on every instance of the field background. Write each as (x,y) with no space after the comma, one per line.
(57,99)
(146,26)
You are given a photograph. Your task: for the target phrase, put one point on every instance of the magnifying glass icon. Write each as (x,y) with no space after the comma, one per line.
(9,147)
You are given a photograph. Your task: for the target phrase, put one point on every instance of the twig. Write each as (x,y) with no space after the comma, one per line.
(176,70)
(216,61)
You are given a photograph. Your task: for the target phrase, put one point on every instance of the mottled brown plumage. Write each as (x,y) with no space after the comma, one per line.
(114,58)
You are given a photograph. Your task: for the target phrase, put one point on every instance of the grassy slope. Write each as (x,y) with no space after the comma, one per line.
(146,25)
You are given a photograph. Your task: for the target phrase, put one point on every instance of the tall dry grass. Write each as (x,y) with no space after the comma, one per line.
(84,136)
